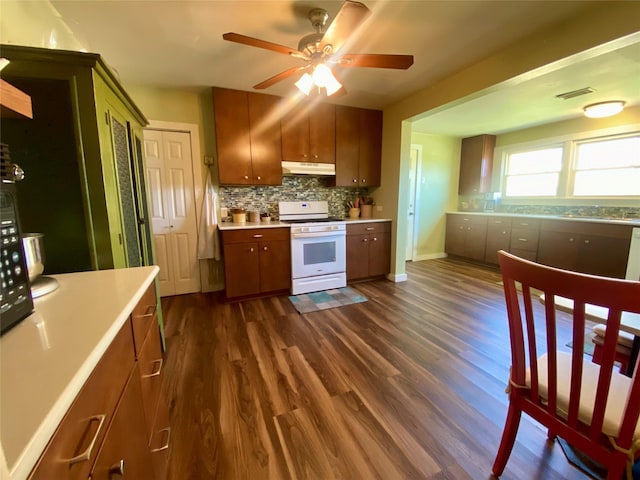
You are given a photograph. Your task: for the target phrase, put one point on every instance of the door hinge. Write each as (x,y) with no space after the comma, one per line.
(106,118)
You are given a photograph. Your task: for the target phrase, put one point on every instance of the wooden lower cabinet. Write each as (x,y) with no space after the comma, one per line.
(498,238)
(466,236)
(368,249)
(125,452)
(593,248)
(256,261)
(524,238)
(119,421)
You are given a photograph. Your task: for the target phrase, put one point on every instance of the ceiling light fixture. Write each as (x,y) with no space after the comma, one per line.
(322,77)
(603,109)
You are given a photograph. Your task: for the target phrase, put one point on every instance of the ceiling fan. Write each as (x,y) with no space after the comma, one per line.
(320,51)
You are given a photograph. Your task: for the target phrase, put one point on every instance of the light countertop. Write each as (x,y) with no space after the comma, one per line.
(46,359)
(278,224)
(610,220)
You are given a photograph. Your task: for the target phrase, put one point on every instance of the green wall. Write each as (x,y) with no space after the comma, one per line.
(438,191)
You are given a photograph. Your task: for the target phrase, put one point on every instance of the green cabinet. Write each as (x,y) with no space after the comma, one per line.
(82,157)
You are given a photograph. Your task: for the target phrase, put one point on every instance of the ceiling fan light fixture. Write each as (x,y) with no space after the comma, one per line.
(603,109)
(305,84)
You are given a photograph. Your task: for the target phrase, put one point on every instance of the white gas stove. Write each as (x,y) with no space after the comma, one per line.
(318,246)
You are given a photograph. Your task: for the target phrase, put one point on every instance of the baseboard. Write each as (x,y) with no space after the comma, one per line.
(429,256)
(397,278)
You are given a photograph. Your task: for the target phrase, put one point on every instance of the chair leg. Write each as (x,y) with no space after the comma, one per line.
(508,439)
(617,471)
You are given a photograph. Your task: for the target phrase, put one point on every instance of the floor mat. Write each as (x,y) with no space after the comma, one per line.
(588,344)
(337,297)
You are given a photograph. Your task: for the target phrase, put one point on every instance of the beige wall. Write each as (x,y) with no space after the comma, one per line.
(600,29)
(438,191)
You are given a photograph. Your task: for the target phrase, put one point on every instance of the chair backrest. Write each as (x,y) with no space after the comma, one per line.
(534,331)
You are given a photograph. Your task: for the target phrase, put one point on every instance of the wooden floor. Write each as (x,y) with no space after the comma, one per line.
(409,384)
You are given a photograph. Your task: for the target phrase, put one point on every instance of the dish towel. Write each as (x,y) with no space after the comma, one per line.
(208,241)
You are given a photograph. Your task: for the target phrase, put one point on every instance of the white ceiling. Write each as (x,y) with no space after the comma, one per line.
(179,44)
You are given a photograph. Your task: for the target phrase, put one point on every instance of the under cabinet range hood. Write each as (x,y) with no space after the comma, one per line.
(308,168)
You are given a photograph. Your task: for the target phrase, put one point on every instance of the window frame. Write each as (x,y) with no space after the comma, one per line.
(566,178)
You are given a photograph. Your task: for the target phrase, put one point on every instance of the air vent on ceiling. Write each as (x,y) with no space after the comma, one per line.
(575,93)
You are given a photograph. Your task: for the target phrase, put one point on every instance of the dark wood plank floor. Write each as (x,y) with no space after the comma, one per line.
(409,384)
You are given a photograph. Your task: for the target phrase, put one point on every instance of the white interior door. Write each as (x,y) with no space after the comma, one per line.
(172,210)
(411,211)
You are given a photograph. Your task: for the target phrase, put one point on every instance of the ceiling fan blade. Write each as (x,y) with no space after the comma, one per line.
(279,77)
(254,42)
(347,20)
(374,60)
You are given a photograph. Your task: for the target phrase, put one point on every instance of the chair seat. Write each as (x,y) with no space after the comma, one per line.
(624,338)
(620,385)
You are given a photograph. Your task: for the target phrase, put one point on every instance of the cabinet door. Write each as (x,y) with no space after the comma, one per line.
(241,269)
(379,253)
(498,238)
(370,147)
(347,146)
(231,117)
(266,144)
(455,235)
(558,249)
(295,134)
(475,241)
(275,265)
(604,256)
(476,162)
(357,256)
(322,133)
(125,448)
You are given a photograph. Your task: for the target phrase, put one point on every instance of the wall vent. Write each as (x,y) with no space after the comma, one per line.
(575,93)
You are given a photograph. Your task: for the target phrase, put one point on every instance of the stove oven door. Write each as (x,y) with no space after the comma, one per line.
(318,253)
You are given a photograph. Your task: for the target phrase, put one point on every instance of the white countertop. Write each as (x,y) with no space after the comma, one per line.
(611,220)
(278,224)
(46,359)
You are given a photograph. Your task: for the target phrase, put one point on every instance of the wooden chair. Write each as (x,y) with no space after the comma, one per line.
(594,408)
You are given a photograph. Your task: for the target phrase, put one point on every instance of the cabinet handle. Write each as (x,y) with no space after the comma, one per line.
(504,232)
(571,239)
(251,250)
(375,239)
(151,311)
(117,468)
(264,248)
(86,455)
(259,177)
(364,180)
(246,177)
(524,224)
(315,156)
(157,371)
(522,239)
(370,228)
(587,242)
(461,227)
(166,444)
(498,222)
(304,155)
(365,240)
(355,180)
(257,235)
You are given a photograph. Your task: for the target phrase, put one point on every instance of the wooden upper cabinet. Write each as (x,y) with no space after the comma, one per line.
(358,146)
(309,134)
(266,148)
(370,147)
(476,164)
(247,138)
(231,117)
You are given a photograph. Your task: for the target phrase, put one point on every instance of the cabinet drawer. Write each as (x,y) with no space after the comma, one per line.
(528,223)
(368,227)
(255,235)
(151,373)
(524,239)
(499,222)
(143,316)
(84,426)
(526,254)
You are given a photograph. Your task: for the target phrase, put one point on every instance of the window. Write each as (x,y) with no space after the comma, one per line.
(577,167)
(607,168)
(533,173)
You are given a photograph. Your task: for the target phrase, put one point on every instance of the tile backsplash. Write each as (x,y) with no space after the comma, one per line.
(295,188)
